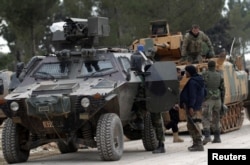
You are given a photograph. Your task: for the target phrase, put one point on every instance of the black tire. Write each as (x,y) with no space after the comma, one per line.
(13,137)
(149,139)
(67,147)
(109,137)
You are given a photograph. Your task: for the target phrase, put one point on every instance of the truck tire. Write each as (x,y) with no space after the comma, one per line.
(13,137)
(109,137)
(148,134)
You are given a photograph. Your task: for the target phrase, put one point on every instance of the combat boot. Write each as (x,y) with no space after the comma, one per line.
(176,138)
(159,149)
(216,137)
(207,137)
(197,146)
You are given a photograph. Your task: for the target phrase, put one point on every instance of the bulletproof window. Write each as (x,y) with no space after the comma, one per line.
(96,68)
(159,29)
(52,70)
(125,63)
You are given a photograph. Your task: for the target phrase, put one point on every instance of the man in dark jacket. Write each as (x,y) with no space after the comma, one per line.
(191,98)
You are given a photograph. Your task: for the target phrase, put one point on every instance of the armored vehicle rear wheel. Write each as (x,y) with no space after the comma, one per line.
(148,134)
(67,147)
(233,118)
(14,136)
(109,137)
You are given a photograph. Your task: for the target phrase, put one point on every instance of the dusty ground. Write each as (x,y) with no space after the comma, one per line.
(134,152)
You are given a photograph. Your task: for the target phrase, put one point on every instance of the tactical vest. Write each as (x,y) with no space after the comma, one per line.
(195,43)
(212,81)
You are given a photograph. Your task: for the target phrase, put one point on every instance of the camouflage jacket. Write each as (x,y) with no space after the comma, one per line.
(214,83)
(193,44)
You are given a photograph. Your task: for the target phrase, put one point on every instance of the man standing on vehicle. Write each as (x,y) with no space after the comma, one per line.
(192,45)
(214,83)
(191,98)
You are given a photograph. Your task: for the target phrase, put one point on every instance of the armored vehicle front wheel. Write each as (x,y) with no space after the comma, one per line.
(109,137)
(14,138)
(148,134)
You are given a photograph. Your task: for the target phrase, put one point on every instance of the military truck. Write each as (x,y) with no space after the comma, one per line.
(167,47)
(85,94)
(4,90)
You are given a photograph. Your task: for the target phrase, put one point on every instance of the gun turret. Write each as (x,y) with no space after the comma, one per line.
(81,33)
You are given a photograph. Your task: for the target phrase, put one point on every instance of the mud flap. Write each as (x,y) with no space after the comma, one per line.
(162,86)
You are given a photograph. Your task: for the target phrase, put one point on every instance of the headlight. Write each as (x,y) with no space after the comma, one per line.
(85,102)
(14,106)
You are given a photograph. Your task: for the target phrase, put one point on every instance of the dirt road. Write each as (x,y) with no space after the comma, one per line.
(134,153)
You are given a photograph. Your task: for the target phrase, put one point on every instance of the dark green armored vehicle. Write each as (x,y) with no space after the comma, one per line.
(85,95)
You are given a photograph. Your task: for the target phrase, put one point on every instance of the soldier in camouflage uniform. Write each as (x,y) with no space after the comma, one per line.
(213,103)
(192,45)
(140,105)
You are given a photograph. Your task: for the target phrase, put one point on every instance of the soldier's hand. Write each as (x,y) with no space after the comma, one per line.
(176,107)
(191,111)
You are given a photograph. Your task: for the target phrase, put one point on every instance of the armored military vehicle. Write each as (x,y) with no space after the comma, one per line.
(84,94)
(4,90)
(167,47)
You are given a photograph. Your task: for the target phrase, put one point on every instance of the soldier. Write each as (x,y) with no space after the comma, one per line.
(191,98)
(213,103)
(192,45)
(140,104)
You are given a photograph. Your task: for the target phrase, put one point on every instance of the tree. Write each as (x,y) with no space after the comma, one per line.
(26,23)
(129,20)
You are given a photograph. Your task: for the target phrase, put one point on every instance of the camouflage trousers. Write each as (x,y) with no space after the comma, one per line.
(157,122)
(211,114)
(194,125)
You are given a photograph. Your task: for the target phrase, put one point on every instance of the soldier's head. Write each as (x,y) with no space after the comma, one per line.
(190,71)
(211,65)
(195,29)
